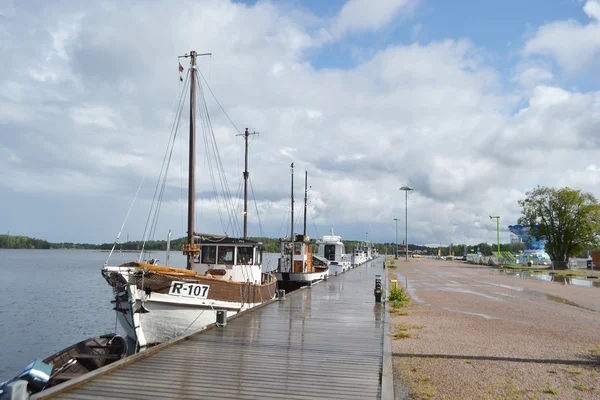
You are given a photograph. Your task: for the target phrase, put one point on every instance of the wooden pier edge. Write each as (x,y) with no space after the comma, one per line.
(73,383)
(384,390)
(387,372)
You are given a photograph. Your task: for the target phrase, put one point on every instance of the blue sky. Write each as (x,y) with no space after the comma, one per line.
(501,27)
(472,103)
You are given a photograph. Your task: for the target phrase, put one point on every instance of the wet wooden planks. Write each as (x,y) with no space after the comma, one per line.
(323,342)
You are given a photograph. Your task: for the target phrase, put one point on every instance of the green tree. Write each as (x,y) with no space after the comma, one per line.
(567,218)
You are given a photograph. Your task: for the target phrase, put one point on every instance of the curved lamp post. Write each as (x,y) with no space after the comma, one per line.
(406,190)
(396,219)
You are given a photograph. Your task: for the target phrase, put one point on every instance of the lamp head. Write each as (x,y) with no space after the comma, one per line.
(407,188)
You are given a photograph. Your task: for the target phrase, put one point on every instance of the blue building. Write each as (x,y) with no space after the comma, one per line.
(534,249)
(522,232)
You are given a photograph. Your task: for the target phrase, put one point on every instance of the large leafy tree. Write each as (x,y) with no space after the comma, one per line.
(567,218)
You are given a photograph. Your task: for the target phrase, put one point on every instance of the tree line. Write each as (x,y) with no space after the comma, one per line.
(567,219)
(271,245)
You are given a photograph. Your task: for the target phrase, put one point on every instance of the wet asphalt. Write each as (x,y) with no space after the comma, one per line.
(474,330)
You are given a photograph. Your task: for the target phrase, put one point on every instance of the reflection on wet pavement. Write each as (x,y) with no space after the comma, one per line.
(566,280)
(467,291)
(469,313)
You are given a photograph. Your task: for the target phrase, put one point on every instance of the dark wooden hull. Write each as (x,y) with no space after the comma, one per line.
(86,356)
(156,279)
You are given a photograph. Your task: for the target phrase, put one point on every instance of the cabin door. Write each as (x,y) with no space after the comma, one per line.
(330,252)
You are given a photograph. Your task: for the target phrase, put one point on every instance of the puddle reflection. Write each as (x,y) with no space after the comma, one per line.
(565,280)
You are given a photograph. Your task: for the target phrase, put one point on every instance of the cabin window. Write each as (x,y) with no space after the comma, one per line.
(209,254)
(244,255)
(226,255)
(329,252)
(297,248)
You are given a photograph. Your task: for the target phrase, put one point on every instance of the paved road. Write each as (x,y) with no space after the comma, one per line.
(484,333)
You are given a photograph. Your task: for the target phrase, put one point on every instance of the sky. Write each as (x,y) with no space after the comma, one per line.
(471,103)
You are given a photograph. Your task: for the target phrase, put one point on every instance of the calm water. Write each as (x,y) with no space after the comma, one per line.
(50,299)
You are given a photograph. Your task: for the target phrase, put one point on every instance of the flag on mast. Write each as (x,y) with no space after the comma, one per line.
(180,71)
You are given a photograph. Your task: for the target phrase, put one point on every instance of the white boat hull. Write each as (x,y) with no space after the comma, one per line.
(166,319)
(301,277)
(336,269)
(154,318)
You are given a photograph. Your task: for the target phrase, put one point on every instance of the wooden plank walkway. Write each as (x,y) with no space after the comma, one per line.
(324,342)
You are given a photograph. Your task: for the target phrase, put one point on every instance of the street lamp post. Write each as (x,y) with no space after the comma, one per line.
(396,219)
(406,189)
(497,217)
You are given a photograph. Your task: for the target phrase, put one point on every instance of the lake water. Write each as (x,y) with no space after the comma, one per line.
(50,299)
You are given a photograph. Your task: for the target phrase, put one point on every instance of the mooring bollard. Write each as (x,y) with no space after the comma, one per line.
(378,288)
(281,294)
(221,318)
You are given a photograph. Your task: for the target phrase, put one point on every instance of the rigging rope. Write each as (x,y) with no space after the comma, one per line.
(126,217)
(220,106)
(153,213)
(283,220)
(262,234)
(218,161)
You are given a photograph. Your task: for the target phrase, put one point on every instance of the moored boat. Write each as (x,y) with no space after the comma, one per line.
(359,256)
(298,266)
(332,249)
(155,303)
(72,362)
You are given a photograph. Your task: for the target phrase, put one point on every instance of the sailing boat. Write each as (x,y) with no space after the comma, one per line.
(156,303)
(298,265)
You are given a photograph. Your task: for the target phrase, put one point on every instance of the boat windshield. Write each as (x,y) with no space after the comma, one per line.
(209,254)
(244,255)
(226,255)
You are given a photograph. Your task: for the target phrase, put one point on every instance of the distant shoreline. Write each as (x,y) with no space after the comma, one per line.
(75,248)
(122,251)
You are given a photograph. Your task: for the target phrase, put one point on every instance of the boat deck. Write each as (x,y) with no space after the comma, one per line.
(323,342)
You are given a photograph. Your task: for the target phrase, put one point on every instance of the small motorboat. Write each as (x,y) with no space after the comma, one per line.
(71,362)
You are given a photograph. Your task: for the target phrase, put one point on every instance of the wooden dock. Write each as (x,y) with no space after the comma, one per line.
(330,341)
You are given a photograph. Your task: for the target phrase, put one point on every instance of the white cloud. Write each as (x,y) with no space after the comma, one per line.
(94,115)
(572,44)
(592,9)
(529,77)
(365,16)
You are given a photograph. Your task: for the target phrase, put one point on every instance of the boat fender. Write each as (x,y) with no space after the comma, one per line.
(148,291)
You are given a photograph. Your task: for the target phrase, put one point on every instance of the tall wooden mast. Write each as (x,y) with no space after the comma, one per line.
(190,248)
(246,186)
(292,236)
(192,163)
(246,175)
(305,200)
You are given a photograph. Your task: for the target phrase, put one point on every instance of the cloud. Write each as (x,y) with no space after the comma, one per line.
(358,16)
(83,124)
(592,9)
(530,76)
(572,44)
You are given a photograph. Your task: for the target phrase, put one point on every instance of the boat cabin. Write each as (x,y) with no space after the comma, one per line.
(331,248)
(230,259)
(301,256)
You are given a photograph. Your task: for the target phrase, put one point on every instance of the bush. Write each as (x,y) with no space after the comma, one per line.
(398,297)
